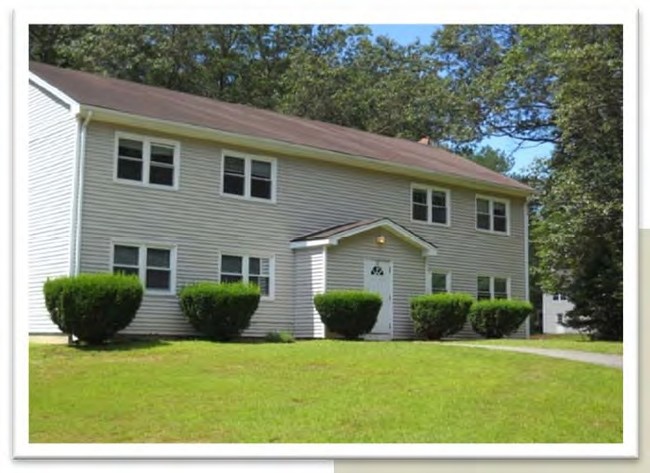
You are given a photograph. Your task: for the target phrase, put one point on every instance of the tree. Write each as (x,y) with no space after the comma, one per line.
(560,84)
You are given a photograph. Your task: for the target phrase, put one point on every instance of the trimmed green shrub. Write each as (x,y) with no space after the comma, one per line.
(498,318)
(349,313)
(93,307)
(440,315)
(279,337)
(221,311)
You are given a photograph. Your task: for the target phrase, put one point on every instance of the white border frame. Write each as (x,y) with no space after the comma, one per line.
(428,188)
(243,12)
(248,157)
(147,141)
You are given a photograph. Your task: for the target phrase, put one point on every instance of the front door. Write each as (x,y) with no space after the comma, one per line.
(379,278)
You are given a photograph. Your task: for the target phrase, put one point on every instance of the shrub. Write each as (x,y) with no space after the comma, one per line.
(221,311)
(349,313)
(440,315)
(279,337)
(498,318)
(93,307)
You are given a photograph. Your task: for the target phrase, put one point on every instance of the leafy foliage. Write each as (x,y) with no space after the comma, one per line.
(280,337)
(221,311)
(349,313)
(93,307)
(498,318)
(436,316)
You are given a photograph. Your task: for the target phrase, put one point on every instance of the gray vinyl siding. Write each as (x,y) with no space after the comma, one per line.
(345,270)
(311,195)
(309,280)
(52,138)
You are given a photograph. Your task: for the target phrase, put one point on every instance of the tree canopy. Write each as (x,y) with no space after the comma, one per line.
(557,84)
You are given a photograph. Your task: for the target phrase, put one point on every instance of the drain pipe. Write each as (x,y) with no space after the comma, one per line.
(80,159)
(80,192)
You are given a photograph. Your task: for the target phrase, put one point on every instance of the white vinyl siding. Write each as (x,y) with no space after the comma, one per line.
(309,280)
(52,150)
(311,195)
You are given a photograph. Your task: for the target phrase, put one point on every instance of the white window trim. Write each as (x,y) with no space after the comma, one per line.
(142,262)
(146,159)
(429,279)
(247,176)
(245,269)
(492,200)
(492,278)
(428,189)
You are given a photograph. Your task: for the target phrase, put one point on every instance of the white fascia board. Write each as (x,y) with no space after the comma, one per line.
(427,248)
(268,145)
(65,98)
(299,245)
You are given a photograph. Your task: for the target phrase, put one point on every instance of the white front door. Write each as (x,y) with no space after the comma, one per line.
(379,278)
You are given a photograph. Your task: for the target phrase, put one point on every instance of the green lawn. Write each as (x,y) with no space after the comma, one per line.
(317,391)
(562,342)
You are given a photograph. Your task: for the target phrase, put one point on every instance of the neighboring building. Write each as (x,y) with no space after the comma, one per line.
(178,188)
(554,308)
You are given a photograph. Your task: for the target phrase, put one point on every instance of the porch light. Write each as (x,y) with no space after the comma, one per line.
(381,239)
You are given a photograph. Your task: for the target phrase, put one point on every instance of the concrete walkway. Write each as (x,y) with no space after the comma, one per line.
(604,359)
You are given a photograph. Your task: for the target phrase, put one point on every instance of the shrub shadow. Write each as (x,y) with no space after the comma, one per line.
(122,345)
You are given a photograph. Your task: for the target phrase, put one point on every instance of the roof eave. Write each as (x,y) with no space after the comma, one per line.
(303,151)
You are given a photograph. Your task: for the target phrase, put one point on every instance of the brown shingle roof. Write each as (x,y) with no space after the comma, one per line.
(155,102)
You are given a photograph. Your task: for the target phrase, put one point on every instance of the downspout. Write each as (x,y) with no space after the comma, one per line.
(81,159)
(526,265)
(80,152)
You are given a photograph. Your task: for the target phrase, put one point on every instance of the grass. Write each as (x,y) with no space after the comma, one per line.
(317,391)
(562,342)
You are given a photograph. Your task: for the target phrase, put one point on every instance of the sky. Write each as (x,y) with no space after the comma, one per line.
(405,34)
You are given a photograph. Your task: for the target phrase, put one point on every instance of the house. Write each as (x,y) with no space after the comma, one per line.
(178,188)
(554,309)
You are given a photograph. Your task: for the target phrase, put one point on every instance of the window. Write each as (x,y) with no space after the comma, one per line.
(248,176)
(439,282)
(248,269)
(489,287)
(559,297)
(492,214)
(430,204)
(559,318)
(484,291)
(153,264)
(148,161)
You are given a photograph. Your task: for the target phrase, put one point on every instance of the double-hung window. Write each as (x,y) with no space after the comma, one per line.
(492,214)
(253,269)
(559,297)
(489,287)
(430,204)
(249,177)
(439,282)
(152,263)
(148,161)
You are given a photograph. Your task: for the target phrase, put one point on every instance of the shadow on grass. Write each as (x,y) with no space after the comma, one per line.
(122,345)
